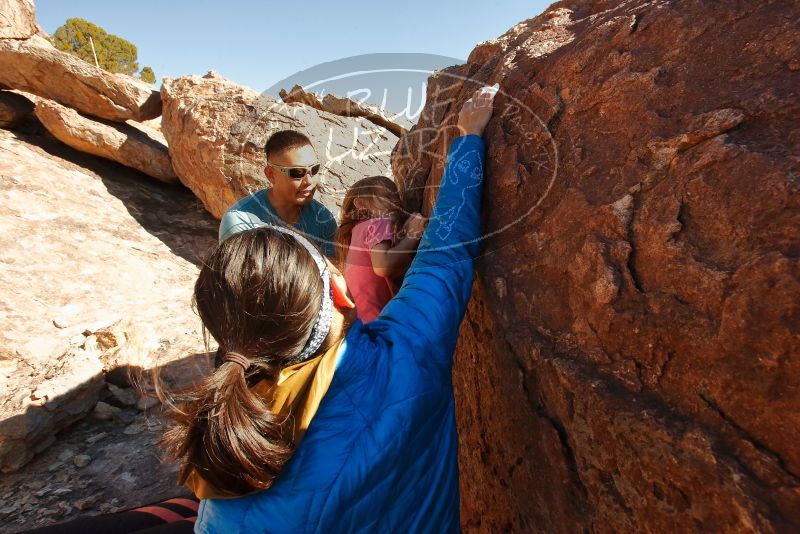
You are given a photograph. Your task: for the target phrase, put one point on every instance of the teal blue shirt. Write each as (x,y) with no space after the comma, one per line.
(315,221)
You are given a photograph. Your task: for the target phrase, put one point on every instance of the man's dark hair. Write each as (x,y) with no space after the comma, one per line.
(284,140)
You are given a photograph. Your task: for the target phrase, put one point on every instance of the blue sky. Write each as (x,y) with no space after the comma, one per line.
(259,43)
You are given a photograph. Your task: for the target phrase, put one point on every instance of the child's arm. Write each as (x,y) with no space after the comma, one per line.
(393,261)
(432,301)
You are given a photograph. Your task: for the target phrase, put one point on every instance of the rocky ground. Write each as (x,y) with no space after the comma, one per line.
(99,262)
(97,466)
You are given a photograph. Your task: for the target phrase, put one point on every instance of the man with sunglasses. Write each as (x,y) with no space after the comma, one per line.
(293,172)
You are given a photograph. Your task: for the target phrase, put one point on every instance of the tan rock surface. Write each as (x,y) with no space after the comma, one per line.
(138,147)
(42,70)
(630,361)
(98,268)
(17,19)
(216,132)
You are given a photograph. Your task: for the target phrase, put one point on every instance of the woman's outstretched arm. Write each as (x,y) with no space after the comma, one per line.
(432,301)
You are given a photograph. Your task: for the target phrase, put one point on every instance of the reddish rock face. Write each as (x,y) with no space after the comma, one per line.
(630,360)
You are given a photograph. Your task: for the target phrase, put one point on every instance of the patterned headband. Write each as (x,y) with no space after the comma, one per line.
(323,323)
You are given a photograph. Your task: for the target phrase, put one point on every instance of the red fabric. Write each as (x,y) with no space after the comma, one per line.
(167,516)
(186,503)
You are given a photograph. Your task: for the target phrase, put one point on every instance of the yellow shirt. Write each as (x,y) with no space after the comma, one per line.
(297,390)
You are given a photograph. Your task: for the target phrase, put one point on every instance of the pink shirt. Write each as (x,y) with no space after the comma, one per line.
(370,291)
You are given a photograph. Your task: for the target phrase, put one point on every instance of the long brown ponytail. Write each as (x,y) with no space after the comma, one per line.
(350,215)
(258,294)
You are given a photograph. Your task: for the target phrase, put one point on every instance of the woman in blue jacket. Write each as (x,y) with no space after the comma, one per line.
(314,422)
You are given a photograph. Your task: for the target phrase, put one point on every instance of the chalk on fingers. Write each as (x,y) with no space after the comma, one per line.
(491,89)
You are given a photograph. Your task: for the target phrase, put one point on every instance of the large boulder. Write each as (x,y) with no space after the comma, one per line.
(216,132)
(630,359)
(17,19)
(14,108)
(138,147)
(347,107)
(98,270)
(33,66)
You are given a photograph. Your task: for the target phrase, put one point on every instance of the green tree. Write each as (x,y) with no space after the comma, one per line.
(147,75)
(114,54)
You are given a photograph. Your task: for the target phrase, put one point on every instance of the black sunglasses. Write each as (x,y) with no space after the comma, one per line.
(296,173)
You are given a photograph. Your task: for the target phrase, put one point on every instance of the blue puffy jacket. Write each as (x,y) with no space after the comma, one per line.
(380,454)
